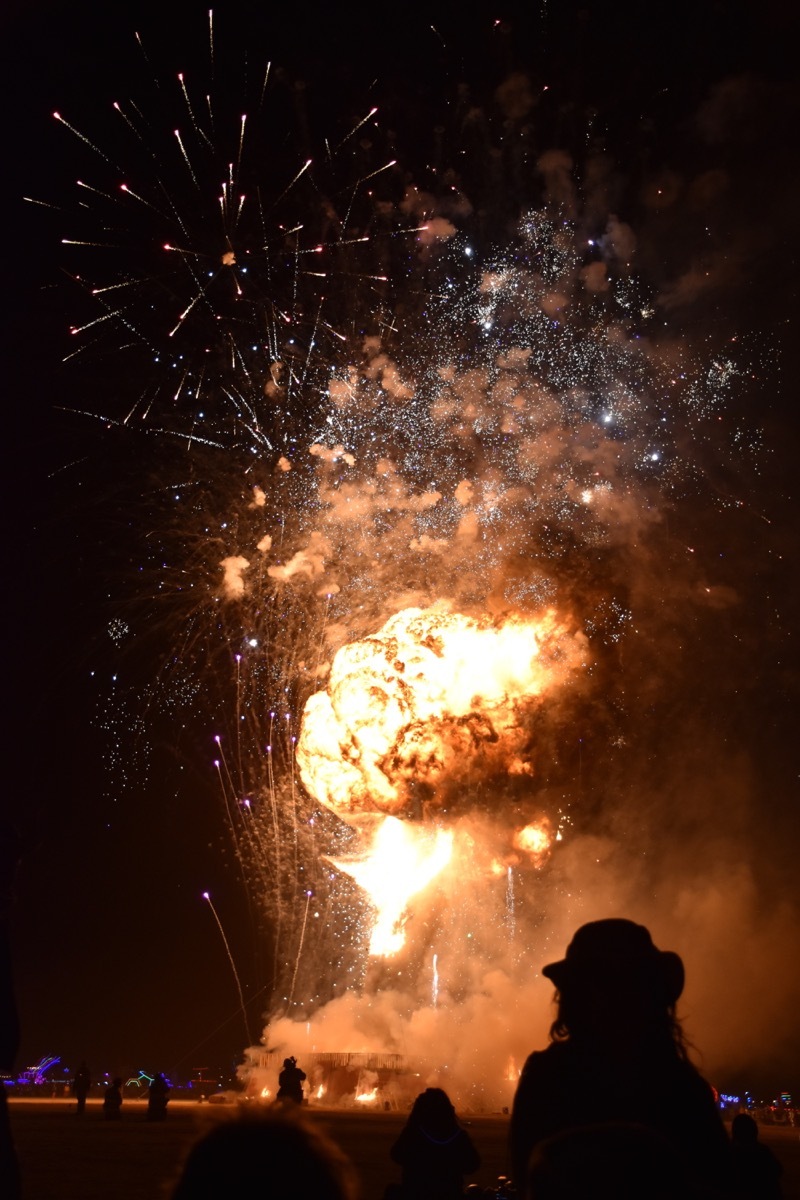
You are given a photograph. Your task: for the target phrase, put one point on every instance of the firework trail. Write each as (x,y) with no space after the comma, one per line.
(210,902)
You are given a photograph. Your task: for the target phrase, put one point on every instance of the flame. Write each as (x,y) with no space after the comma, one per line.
(412,717)
(367,1097)
(402,860)
(432,696)
(535,840)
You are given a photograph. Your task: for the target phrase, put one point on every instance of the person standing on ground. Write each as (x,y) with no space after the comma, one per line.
(617,1055)
(756,1170)
(112,1101)
(290,1082)
(157,1099)
(433,1150)
(81,1086)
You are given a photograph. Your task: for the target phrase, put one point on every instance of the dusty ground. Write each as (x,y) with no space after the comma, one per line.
(66,1158)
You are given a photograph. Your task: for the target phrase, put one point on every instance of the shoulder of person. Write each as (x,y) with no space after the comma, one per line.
(543,1062)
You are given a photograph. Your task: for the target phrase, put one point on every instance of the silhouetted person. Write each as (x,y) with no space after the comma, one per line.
(112,1101)
(157,1099)
(617,1054)
(608,1162)
(433,1150)
(81,1086)
(756,1170)
(277,1154)
(290,1082)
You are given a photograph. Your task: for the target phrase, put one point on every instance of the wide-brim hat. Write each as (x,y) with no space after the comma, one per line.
(620,948)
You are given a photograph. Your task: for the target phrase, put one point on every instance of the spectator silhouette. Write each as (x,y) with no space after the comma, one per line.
(157,1099)
(112,1101)
(433,1150)
(617,1054)
(80,1087)
(614,1161)
(756,1170)
(290,1082)
(275,1154)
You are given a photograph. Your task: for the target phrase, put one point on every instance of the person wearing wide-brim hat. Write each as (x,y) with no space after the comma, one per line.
(617,1054)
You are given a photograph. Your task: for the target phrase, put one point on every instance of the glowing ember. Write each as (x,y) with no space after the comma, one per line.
(402,860)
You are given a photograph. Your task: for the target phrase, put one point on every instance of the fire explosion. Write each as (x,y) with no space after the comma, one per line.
(412,718)
(423,486)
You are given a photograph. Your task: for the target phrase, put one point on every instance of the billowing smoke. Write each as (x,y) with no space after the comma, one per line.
(513,468)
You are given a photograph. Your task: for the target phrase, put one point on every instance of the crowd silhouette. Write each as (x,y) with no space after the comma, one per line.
(611,1108)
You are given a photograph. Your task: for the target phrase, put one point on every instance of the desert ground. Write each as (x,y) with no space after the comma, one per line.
(88,1158)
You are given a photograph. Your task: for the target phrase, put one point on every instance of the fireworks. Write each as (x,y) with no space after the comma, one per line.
(422,482)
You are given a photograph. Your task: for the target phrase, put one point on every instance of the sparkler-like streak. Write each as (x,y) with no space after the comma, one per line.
(207,898)
(418,476)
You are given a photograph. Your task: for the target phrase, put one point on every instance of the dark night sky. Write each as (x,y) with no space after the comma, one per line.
(117,958)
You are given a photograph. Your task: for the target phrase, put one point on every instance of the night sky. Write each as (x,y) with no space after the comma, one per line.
(118,959)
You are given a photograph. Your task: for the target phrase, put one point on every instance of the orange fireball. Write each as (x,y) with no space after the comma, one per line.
(535,840)
(433,700)
(434,696)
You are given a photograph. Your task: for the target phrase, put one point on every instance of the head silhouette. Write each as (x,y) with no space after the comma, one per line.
(433,1110)
(614,982)
(744,1129)
(275,1154)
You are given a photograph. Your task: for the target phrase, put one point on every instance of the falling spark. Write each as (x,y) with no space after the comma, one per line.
(207,898)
